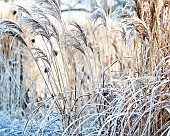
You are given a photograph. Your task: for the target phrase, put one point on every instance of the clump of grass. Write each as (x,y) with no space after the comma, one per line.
(103,80)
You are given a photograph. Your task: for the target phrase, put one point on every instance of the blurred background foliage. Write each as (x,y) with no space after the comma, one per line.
(107,5)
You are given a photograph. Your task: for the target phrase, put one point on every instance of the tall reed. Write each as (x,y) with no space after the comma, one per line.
(108,78)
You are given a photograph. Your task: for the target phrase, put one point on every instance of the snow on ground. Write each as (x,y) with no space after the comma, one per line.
(9,127)
(15,127)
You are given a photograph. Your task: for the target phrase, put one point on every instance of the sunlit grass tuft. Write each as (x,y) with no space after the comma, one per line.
(110,77)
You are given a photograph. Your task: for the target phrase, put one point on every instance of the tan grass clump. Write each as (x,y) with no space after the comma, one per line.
(109,79)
